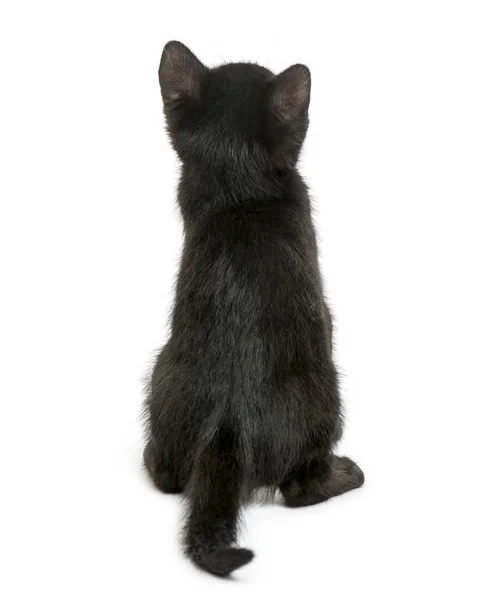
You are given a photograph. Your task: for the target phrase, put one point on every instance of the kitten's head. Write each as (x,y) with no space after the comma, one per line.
(235,114)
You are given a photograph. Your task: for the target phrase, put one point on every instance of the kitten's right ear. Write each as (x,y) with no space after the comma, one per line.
(180,73)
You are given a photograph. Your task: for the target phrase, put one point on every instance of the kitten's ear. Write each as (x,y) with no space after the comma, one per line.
(180,73)
(291,93)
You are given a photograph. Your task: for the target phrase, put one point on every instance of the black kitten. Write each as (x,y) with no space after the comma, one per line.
(245,392)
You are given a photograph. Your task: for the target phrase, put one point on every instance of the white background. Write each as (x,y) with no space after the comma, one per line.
(402,158)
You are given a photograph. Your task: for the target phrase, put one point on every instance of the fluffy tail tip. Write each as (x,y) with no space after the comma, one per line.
(223,561)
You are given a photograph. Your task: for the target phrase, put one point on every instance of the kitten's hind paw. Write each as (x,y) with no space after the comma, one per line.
(159,472)
(322,479)
(347,474)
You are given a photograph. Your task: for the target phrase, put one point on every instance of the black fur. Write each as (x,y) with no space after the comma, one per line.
(245,392)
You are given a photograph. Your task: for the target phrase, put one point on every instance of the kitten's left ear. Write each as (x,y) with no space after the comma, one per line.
(291,93)
(180,73)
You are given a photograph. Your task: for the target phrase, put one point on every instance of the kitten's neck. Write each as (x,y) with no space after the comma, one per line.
(203,191)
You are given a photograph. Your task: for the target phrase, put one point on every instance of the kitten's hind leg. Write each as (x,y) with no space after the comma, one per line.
(160,472)
(321,479)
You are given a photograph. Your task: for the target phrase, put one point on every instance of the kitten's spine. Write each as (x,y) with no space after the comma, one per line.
(214,502)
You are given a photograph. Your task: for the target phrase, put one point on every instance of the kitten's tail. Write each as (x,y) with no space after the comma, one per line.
(214,498)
